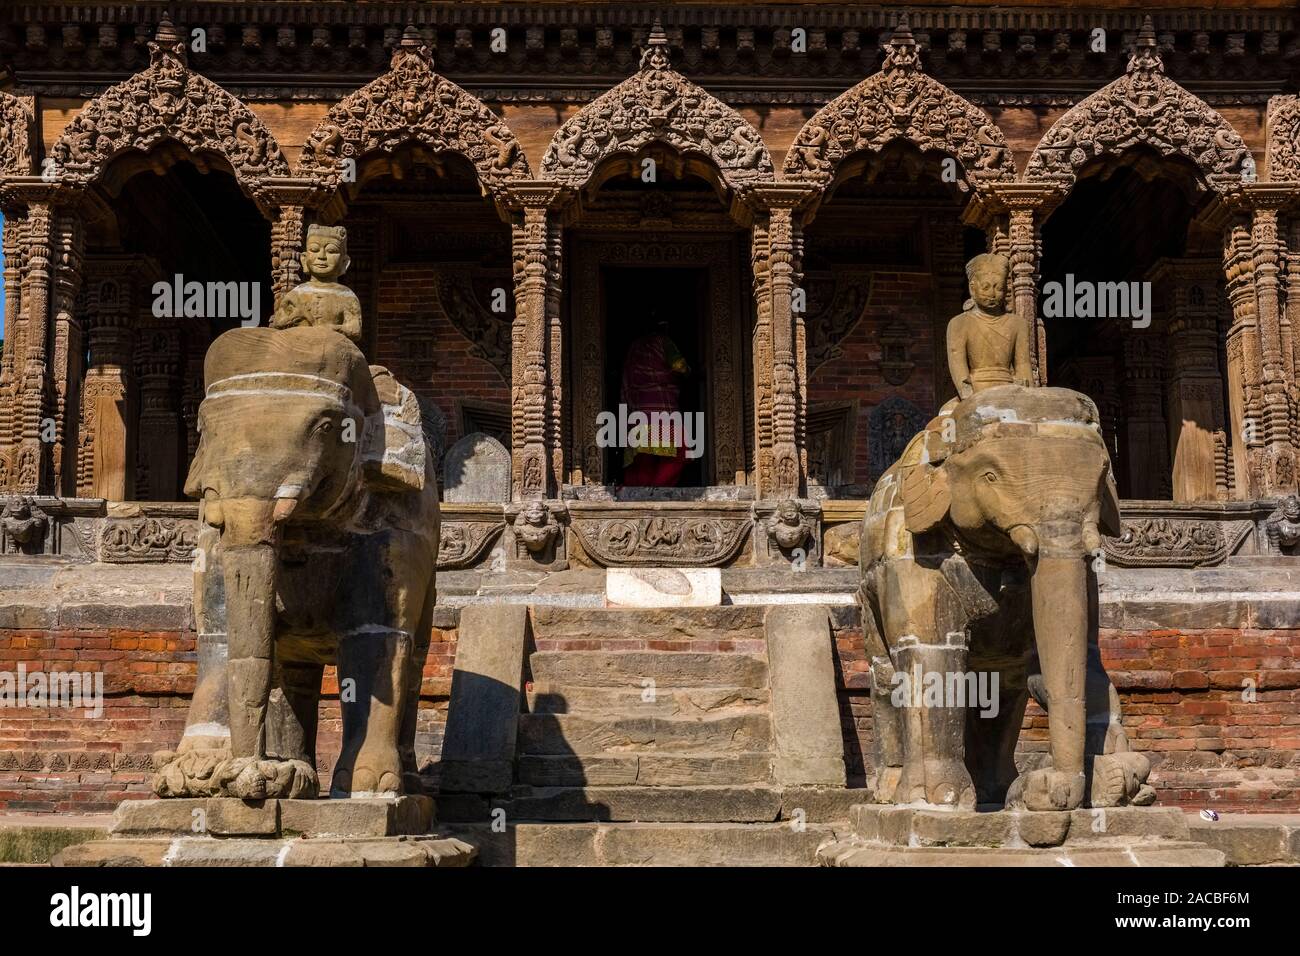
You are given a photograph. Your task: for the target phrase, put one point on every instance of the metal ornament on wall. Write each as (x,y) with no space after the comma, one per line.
(489,333)
(836,304)
(896,363)
(893,423)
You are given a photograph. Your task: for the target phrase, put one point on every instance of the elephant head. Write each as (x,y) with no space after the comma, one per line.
(292,432)
(1022,474)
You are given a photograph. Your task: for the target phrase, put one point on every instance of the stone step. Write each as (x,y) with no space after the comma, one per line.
(725,622)
(648,770)
(32,840)
(565,734)
(632,669)
(663,702)
(1251,839)
(696,804)
(649,844)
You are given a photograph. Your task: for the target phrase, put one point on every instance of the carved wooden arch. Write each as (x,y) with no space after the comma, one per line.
(1142,107)
(658,105)
(412,103)
(900,102)
(167,101)
(1284,138)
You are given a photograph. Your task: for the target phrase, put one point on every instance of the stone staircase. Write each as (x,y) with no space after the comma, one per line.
(659,714)
(654,736)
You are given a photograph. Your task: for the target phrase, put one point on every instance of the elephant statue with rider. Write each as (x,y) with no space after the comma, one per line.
(979,555)
(318,546)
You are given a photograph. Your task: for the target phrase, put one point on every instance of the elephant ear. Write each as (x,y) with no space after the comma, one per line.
(394,450)
(1108,520)
(926,497)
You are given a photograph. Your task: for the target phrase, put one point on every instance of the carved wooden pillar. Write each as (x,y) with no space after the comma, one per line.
(1011,215)
(69,350)
(288,234)
(32,461)
(782,394)
(10,377)
(1146,438)
(1188,291)
(108,406)
(534,405)
(1261,350)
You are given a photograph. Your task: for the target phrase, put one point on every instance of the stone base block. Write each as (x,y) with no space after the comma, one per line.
(917,836)
(230,817)
(663,587)
(319,852)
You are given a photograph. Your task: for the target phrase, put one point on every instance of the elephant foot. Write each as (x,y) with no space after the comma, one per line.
(259,778)
(372,774)
(939,783)
(1050,789)
(886,784)
(1119,779)
(190,773)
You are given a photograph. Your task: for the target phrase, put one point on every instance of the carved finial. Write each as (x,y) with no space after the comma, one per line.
(1146,52)
(900,50)
(412,45)
(168,41)
(167,34)
(656,55)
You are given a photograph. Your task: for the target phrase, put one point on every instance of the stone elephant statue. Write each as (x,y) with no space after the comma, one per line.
(978,554)
(318,545)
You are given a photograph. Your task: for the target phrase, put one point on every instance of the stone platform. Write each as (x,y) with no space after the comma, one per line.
(915,836)
(220,831)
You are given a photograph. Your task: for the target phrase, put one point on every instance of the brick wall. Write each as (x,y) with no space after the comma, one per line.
(905,297)
(1181,690)
(60,760)
(408,303)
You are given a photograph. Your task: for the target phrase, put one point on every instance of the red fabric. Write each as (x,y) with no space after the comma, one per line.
(649,382)
(655,471)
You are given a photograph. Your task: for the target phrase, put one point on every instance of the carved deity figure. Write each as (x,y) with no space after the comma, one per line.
(24,525)
(322,300)
(1282,527)
(535,527)
(987,345)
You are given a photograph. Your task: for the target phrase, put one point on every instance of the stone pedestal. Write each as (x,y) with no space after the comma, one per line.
(1120,836)
(222,831)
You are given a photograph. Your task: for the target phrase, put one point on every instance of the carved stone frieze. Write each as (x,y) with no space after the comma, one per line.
(1144,107)
(413,103)
(657,104)
(660,534)
(1172,542)
(147,540)
(900,102)
(468,534)
(167,101)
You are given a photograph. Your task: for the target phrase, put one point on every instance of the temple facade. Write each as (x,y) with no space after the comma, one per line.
(791,191)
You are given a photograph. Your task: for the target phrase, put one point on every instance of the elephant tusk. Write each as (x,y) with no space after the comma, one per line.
(1025,540)
(1091,538)
(283,508)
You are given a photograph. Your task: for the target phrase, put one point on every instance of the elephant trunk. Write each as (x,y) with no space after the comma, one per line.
(1060,593)
(250,559)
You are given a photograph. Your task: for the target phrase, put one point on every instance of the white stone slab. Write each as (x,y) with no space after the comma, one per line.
(663,587)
